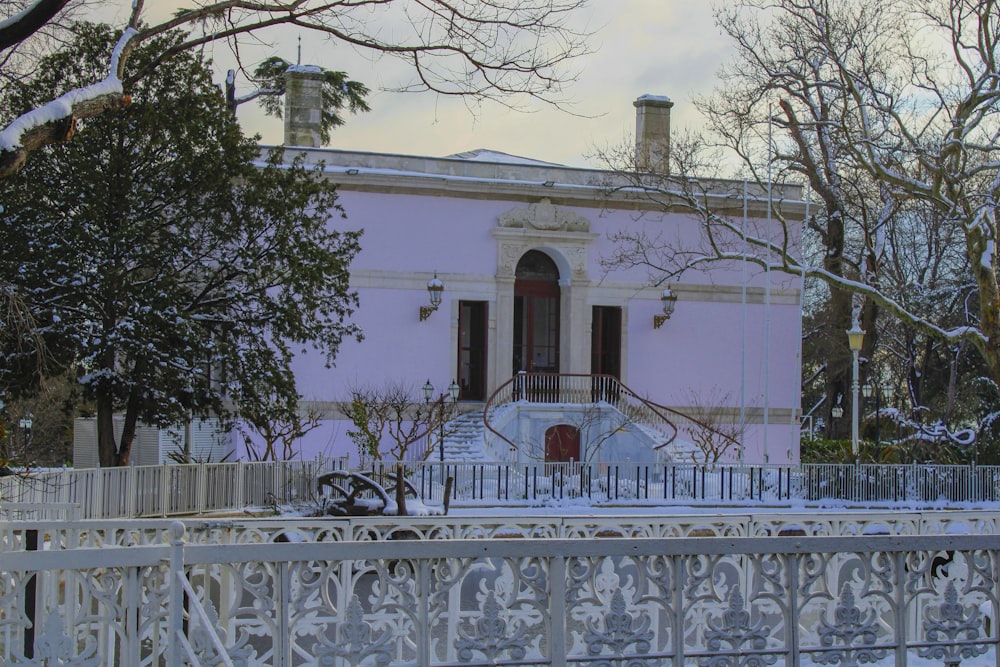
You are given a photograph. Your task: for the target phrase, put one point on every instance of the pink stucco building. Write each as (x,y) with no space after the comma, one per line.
(517,247)
(554,355)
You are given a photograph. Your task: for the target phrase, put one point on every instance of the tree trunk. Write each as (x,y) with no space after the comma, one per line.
(128,429)
(107,448)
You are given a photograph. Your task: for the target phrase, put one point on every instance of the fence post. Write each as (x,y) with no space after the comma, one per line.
(239,484)
(98,510)
(202,485)
(557,640)
(448,485)
(164,489)
(677,621)
(30,596)
(64,490)
(899,596)
(175,611)
(792,579)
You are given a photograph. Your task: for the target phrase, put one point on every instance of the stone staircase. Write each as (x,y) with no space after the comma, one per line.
(464,442)
(681,451)
(463,439)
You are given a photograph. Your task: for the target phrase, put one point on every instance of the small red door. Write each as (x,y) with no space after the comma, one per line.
(562,444)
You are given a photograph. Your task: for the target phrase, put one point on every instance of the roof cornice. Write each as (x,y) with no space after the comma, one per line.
(569,186)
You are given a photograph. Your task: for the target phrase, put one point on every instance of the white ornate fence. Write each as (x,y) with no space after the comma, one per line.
(590,592)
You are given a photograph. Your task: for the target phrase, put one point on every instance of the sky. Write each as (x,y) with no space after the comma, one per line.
(656,47)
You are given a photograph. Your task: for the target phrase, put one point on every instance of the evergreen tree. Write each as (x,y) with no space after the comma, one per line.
(338,92)
(164,257)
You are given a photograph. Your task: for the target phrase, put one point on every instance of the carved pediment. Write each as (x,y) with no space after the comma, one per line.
(545,216)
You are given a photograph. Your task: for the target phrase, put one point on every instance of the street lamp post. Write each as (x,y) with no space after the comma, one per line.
(25,423)
(855,336)
(868,390)
(452,393)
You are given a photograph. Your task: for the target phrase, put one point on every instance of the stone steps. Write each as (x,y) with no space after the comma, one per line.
(463,440)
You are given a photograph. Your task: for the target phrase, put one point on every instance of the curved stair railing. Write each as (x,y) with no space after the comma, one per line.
(581,388)
(576,388)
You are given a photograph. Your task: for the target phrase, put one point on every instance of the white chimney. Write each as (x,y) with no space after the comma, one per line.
(652,133)
(303,106)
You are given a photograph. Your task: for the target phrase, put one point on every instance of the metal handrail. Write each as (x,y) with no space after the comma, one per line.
(532,387)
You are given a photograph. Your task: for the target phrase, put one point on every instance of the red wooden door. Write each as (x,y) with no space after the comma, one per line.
(562,444)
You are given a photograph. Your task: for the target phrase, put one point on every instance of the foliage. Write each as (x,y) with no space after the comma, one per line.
(339,92)
(164,258)
(54,407)
(820,450)
(390,415)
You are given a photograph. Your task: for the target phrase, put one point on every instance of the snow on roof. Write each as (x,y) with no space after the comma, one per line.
(654,98)
(486,155)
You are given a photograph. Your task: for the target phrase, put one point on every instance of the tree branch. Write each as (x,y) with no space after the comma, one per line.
(26,23)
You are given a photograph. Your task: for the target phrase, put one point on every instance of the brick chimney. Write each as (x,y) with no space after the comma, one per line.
(652,133)
(303,105)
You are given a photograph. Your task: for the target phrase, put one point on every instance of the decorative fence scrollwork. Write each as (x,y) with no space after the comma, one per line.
(606,601)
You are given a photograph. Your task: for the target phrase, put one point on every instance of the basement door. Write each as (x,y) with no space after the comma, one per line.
(562,444)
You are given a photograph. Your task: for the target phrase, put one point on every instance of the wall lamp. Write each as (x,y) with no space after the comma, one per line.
(434,289)
(669,301)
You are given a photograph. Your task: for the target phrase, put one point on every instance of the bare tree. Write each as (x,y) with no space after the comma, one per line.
(498,50)
(718,431)
(264,433)
(888,112)
(391,415)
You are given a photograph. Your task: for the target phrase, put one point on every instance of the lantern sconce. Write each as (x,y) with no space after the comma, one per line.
(669,301)
(434,289)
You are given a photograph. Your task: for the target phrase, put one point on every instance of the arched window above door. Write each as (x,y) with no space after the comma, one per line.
(536,265)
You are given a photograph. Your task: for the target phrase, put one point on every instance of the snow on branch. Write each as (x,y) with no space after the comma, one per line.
(28,21)
(502,50)
(55,120)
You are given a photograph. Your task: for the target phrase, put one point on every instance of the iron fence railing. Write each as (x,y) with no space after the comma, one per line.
(614,599)
(182,490)
(512,483)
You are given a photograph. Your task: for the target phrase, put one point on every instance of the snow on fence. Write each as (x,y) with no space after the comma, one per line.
(422,594)
(180,490)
